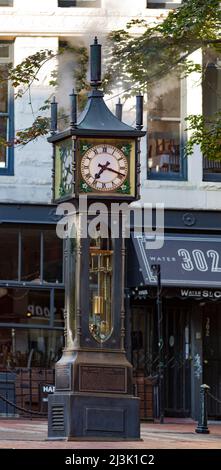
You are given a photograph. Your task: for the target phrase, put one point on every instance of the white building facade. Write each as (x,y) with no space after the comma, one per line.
(188,188)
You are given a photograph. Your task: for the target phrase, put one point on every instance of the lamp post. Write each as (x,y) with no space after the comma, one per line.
(157,272)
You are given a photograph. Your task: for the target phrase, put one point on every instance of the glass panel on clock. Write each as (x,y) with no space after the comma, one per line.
(100,278)
(63,169)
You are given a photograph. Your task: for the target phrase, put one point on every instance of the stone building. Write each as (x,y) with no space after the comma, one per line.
(31,275)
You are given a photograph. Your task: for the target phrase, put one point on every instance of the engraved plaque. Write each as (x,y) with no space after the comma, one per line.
(103,379)
(63,377)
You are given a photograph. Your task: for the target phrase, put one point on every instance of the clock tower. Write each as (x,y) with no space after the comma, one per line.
(96,158)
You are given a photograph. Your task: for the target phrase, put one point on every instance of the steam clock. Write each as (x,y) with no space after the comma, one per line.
(97,157)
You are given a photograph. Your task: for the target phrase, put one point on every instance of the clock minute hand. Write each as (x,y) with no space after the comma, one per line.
(115,171)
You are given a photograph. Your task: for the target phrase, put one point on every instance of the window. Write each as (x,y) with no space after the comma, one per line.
(30,256)
(163,4)
(53,253)
(29,306)
(164,130)
(6,110)
(9,255)
(29,348)
(79,3)
(211,105)
(6,3)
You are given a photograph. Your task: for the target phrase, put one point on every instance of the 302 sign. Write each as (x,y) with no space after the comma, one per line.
(202,261)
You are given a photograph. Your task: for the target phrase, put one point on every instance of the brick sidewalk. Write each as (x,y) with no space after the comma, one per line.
(27,434)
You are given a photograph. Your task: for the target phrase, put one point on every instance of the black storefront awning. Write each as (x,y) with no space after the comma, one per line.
(185,260)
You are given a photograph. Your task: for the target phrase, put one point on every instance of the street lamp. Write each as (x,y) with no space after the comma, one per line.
(157,272)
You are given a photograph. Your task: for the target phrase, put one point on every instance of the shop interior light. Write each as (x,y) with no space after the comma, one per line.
(3,291)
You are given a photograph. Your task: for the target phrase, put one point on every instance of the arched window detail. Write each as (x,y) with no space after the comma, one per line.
(100,287)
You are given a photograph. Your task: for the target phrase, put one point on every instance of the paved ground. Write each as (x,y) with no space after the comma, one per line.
(27,434)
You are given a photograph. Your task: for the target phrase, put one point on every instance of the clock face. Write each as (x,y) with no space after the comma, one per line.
(104,167)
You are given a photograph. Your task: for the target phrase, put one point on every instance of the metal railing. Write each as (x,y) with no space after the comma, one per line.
(22,391)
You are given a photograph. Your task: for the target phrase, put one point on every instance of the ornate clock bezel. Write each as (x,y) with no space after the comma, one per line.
(128,147)
(104,167)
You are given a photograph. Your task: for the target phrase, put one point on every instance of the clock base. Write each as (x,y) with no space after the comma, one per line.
(75,416)
(93,397)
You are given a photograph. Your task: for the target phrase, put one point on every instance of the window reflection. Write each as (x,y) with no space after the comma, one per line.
(3,89)
(52,270)
(41,256)
(30,348)
(24,306)
(59,308)
(164,110)
(8,255)
(164,147)
(30,256)
(5,129)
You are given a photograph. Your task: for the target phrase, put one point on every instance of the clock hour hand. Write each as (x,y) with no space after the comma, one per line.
(103,167)
(115,171)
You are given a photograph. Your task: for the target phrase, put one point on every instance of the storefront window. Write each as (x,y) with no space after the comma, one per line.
(59,308)
(29,347)
(8,255)
(100,320)
(24,306)
(164,129)
(52,269)
(30,256)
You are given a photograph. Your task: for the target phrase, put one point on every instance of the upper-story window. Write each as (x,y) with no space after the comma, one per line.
(165,132)
(6,110)
(6,3)
(211,105)
(79,3)
(168,4)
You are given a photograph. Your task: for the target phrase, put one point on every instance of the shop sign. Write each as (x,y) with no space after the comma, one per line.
(46,389)
(201,293)
(184,260)
(39,311)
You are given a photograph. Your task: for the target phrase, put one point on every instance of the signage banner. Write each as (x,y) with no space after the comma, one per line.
(184,260)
